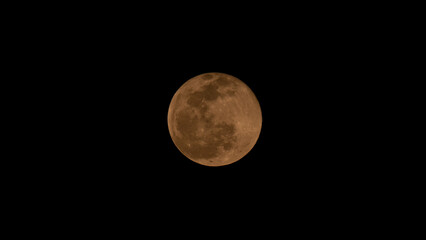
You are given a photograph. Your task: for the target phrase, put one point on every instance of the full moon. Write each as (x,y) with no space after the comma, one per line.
(214,119)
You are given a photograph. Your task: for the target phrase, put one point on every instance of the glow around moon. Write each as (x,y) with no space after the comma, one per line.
(214,119)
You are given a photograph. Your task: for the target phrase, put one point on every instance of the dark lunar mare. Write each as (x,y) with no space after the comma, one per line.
(219,134)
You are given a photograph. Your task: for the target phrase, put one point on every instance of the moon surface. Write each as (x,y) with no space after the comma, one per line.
(214,119)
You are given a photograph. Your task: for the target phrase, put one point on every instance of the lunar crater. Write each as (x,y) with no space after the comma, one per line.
(203,133)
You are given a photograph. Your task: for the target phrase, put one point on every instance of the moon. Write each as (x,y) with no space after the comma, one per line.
(214,119)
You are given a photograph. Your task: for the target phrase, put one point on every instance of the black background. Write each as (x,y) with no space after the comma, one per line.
(108,77)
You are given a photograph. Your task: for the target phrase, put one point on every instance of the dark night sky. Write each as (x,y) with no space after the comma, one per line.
(112,82)
(121,93)
(118,82)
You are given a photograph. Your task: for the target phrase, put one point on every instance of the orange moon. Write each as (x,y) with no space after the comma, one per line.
(214,119)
